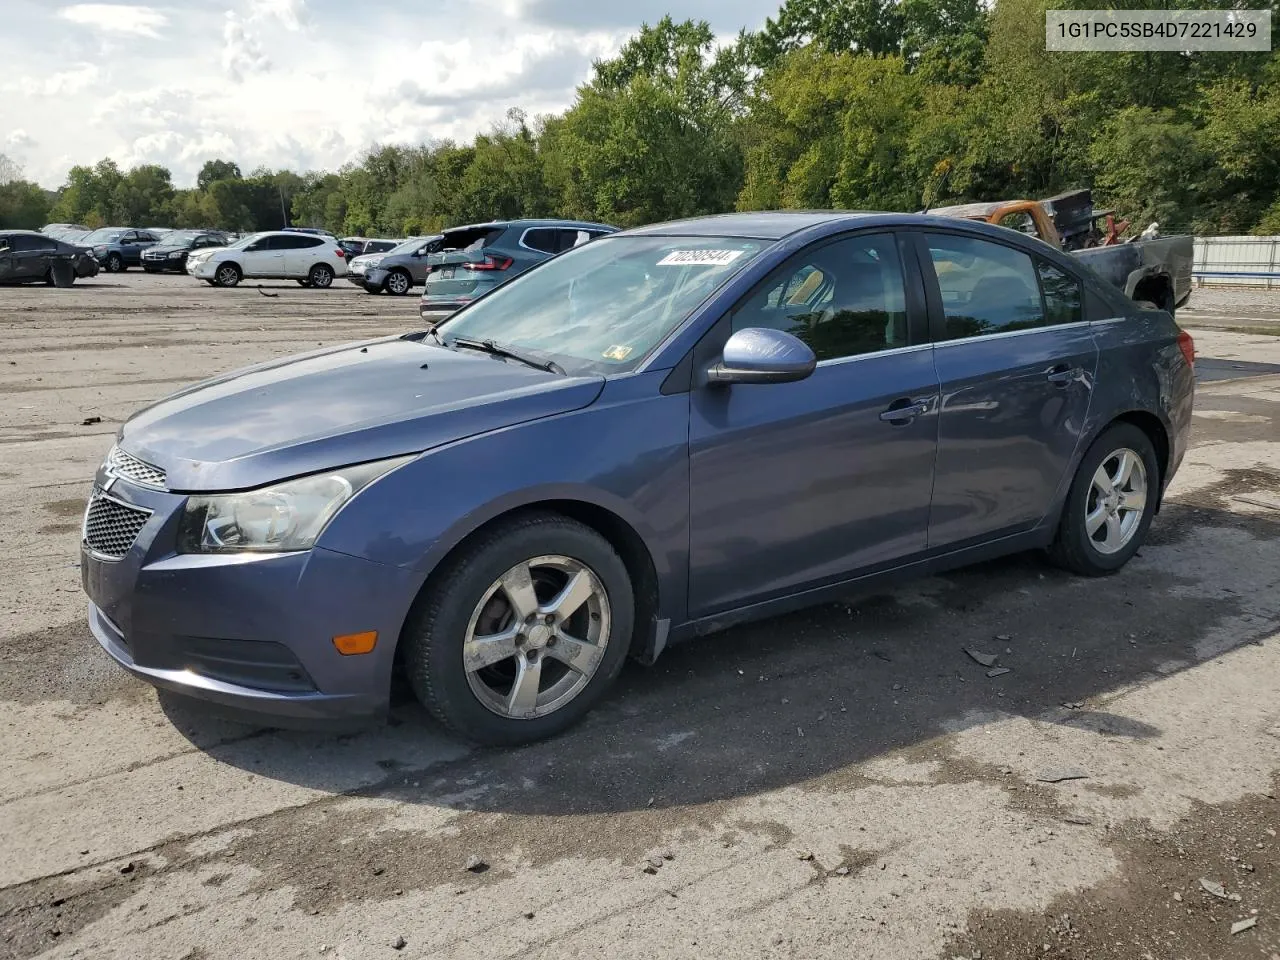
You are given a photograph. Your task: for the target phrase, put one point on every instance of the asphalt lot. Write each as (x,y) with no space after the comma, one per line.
(843,782)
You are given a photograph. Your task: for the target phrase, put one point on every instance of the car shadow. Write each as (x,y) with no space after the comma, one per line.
(785,701)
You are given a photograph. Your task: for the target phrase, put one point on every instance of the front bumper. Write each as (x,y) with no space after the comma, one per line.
(204,269)
(251,633)
(177,264)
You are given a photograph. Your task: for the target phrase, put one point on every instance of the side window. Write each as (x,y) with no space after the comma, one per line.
(146,238)
(305,243)
(273,243)
(24,242)
(842,299)
(986,287)
(572,238)
(1062,299)
(542,238)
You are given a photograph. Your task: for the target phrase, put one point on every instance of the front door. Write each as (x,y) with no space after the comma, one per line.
(265,257)
(1016,362)
(798,484)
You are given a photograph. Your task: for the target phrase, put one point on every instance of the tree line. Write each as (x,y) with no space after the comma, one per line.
(860,104)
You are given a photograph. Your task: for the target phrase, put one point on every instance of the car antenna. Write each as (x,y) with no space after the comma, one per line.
(937,192)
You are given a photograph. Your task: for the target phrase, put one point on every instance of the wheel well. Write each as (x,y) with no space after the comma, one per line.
(1150,424)
(621,536)
(227,263)
(1157,289)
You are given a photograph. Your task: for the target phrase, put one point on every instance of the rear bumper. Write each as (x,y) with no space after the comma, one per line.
(437,310)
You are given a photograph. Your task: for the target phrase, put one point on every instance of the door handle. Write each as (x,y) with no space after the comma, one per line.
(1062,375)
(904,411)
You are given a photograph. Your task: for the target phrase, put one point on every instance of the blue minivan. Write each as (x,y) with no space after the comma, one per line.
(653,435)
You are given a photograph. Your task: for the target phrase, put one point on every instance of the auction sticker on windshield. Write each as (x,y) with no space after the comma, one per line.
(700,258)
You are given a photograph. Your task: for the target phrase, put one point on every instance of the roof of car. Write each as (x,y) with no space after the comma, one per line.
(763,225)
(533,223)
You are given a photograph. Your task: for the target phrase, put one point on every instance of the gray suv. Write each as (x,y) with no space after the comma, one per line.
(475,259)
(398,270)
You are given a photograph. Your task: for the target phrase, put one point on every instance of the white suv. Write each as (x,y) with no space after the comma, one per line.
(277,254)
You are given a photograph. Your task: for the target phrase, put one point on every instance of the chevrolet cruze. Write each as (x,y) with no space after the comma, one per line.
(657,434)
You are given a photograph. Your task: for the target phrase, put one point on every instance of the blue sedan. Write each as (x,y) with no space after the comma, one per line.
(650,437)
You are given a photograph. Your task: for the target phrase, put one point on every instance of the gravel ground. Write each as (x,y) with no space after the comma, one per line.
(841,782)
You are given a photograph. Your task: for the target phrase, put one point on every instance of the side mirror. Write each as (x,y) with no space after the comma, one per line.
(761,355)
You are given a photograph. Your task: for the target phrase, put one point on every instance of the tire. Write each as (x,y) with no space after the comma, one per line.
(398,283)
(227,275)
(321,276)
(115,263)
(62,275)
(455,605)
(1114,541)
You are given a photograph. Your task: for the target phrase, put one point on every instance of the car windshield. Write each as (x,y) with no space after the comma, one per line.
(604,306)
(105,235)
(179,237)
(407,247)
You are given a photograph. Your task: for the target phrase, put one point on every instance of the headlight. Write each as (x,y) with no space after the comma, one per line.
(370,264)
(176,255)
(277,519)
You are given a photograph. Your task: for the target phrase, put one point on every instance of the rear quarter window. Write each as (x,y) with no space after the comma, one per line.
(544,239)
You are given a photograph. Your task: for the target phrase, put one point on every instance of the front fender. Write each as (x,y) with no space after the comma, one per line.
(627,453)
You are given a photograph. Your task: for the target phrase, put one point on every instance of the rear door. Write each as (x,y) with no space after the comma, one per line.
(1016,362)
(300,254)
(31,256)
(794,485)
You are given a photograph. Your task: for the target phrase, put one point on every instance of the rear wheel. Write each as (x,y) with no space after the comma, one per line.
(227,275)
(321,276)
(115,263)
(398,282)
(522,632)
(1110,505)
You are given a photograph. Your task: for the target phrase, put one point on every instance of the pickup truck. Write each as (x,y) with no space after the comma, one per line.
(1155,271)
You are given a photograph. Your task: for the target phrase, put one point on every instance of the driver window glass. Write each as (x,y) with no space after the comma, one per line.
(843,299)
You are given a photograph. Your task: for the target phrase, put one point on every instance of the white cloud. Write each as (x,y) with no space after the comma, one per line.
(19,140)
(116,18)
(302,84)
(241,51)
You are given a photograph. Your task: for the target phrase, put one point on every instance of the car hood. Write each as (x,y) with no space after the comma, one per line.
(339,406)
(163,247)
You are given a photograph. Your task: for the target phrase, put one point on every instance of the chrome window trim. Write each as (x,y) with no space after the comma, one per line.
(891,351)
(1006,334)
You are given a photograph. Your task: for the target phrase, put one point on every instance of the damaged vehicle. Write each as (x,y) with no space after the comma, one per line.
(1154,270)
(30,257)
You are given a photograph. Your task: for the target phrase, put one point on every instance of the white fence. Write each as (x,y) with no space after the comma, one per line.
(1237,261)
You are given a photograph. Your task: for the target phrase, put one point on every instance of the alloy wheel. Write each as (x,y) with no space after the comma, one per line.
(537,637)
(1117,501)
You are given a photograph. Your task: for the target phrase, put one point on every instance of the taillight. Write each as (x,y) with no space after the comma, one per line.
(490,263)
(342,253)
(1188,347)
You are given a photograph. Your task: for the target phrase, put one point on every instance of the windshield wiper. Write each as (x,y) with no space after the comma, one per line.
(498,350)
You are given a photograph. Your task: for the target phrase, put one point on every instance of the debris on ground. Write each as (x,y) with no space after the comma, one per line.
(1003,637)
(842,871)
(90,421)
(528,914)
(1078,821)
(982,659)
(804,855)
(265,294)
(128,867)
(1240,926)
(1213,888)
(399,943)
(476,865)
(998,672)
(1177,896)
(1073,704)
(1059,774)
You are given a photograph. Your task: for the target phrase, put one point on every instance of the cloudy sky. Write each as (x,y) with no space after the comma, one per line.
(303,84)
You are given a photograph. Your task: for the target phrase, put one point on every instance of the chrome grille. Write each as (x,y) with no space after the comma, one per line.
(111,527)
(131,468)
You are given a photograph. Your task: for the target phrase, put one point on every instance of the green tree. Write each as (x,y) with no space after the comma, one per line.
(23,205)
(214,170)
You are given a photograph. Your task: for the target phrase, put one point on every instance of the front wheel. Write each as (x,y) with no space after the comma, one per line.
(1110,505)
(522,632)
(115,263)
(227,275)
(321,276)
(398,283)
